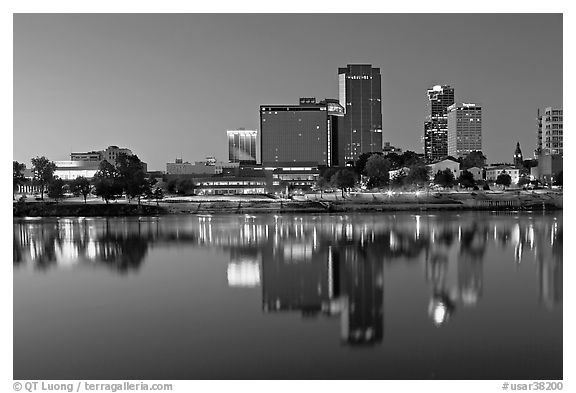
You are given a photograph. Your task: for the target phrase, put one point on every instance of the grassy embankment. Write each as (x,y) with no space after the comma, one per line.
(312,204)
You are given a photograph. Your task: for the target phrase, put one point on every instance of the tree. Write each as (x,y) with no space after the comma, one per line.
(524,180)
(158,195)
(43,170)
(360,165)
(466,179)
(399,179)
(444,178)
(106,182)
(395,160)
(17,176)
(328,172)
(474,159)
(322,184)
(419,175)
(185,187)
(410,159)
(504,179)
(132,176)
(171,186)
(344,179)
(81,186)
(56,188)
(377,169)
(558,179)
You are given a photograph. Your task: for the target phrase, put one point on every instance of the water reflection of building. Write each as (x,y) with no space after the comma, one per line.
(329,280)
(69,242)
(548,250)
(244,268)
(362,293)
(316,264)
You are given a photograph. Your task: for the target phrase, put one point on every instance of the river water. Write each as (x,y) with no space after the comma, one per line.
(372,296)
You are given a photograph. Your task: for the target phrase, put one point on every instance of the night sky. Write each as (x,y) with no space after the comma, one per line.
(169,85)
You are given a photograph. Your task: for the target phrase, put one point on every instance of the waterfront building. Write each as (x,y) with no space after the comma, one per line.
(476,172)
(210,166)
(70,170)
(230,185)
(361,97)
(493,172)
(237,182)
(453,166)
(303,175)
(87,156)
(440,97)
(550,132)
(306,132)
(464,129)
(242,145)
(110,154)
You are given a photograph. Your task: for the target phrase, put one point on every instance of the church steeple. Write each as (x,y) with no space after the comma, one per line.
(518,159)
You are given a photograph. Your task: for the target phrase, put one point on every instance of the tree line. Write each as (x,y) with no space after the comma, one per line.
(409,171)
(110,181)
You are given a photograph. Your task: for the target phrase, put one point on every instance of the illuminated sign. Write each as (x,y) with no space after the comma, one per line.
(335,109)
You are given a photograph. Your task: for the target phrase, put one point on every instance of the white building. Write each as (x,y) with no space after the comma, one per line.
(550,132)
(453,166)
(476,172)
(493,172)
(70,170)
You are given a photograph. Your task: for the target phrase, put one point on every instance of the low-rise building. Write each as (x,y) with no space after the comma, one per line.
(478,173)
(208,167)
(297,175)
(453,166)
(493,172)
(70,170)
(230,185)
(110,154)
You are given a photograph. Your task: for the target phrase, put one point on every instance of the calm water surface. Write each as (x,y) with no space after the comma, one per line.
(371,296)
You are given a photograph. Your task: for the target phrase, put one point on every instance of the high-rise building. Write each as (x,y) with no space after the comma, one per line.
(436,125)
(464,129)
(550,130)
(242,145)
(360,96)
(307,132)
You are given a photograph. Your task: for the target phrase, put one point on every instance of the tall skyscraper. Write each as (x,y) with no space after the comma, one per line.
(464,129)
(436,125)
(550,132)
(242,145)
(360,96)
(307,132)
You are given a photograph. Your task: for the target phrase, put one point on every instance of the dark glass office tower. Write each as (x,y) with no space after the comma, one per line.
(300,133)
(436,125)
(360,95)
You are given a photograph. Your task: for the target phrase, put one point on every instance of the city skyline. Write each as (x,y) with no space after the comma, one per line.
(159,84)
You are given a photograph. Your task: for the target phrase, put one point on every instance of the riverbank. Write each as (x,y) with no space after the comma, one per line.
(78,209)
(362,202)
